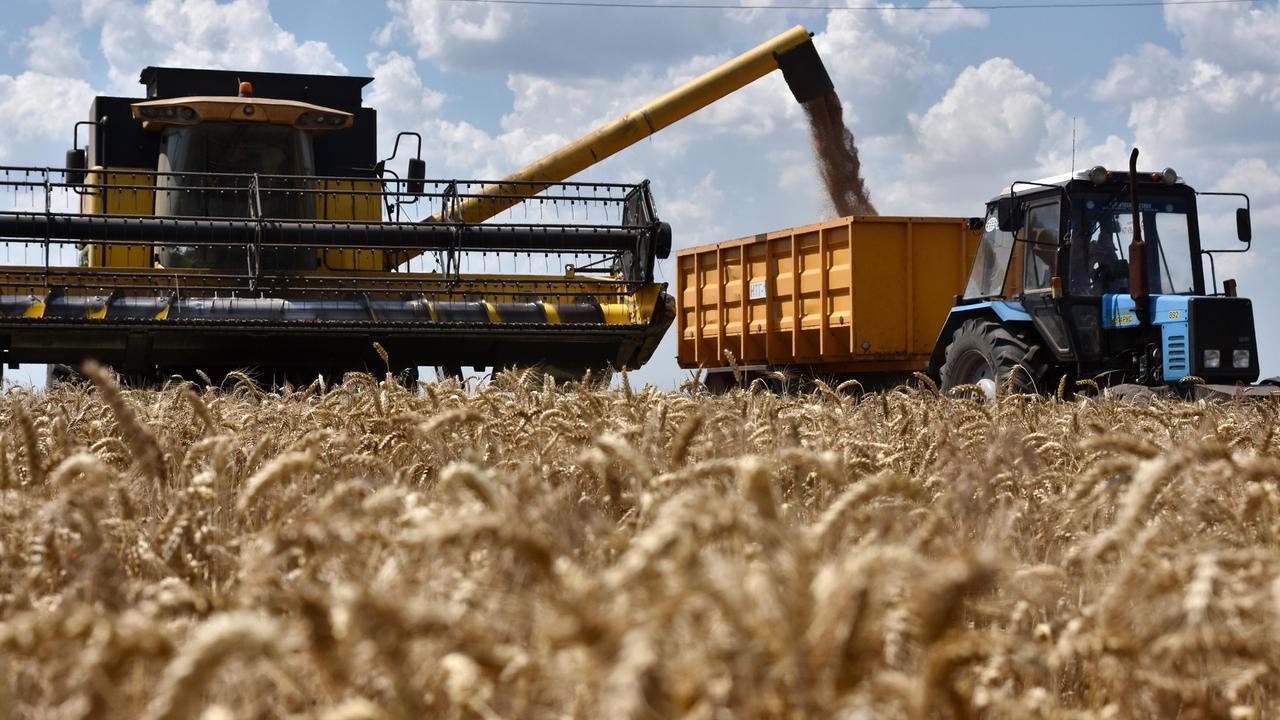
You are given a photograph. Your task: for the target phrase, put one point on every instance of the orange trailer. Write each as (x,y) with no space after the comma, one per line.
(861,297)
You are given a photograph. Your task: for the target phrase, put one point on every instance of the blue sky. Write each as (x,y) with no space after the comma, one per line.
(947,105)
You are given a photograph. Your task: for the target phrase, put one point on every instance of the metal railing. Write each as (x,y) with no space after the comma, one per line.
(130,231)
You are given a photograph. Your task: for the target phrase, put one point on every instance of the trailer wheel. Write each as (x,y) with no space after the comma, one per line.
(57,375)
(992,357)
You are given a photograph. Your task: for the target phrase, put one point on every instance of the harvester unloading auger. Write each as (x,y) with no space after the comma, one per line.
(205,231)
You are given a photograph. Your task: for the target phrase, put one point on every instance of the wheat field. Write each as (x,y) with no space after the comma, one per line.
(520,549)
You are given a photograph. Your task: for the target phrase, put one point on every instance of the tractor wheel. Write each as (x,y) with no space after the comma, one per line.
(992,357)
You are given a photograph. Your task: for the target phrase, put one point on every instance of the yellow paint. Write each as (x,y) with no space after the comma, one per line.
(616,313)
(97,312)
(645,300)
(121,194)
(617,305)
(34,310)
(339,201)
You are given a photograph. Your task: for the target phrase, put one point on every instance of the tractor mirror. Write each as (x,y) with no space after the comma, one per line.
(75,166)
(1244,229)
(1008,214)
(417,173)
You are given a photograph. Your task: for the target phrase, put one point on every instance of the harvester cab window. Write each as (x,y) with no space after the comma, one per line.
(991,264)
(238,150)
(1042,229)
(207,170)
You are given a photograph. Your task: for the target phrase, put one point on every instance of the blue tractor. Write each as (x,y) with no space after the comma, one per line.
(1097,275)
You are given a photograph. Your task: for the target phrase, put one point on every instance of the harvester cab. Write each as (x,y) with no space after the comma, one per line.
(1098,276)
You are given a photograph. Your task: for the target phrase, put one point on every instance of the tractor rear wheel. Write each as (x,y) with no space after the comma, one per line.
(993,357)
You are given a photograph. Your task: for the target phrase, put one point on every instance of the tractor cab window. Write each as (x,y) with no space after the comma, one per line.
(1100,256)
(986,279)
(1042,246)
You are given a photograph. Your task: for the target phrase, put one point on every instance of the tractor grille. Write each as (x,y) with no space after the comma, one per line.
(1176,357)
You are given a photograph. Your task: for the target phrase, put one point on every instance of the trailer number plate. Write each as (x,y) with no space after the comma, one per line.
(756,291)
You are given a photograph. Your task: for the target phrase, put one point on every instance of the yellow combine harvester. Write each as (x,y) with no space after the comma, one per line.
(243,220)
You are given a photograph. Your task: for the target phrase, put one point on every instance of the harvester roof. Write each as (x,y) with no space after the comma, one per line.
(338,91)
(159,114)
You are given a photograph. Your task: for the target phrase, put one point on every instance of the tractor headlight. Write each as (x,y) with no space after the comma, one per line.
(1098,175)
(1240,359)
(1213,358)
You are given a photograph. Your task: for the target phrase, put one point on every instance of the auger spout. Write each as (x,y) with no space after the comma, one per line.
(792,52)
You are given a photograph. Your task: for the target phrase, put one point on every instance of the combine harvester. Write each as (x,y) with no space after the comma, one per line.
(1096,275)
(237,220)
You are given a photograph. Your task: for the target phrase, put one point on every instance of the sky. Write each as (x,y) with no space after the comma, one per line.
(948,105)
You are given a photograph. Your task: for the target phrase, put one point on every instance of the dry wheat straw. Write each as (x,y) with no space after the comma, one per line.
(518,548)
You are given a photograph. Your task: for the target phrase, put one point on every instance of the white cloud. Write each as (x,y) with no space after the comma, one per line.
(946,16)
(1256,174)
(53,47)
(698,210)
(567,41)
(42,108)
(1216,101)
(240,34)
(440,29)
(879,61)
(1013,124)
(396,85)
(1152,70)
(1243,37)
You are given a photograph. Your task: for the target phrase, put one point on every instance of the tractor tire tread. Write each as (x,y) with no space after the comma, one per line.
(1006,349)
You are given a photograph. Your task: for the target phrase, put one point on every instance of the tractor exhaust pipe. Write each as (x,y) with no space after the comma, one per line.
(1138,289)
(792,52)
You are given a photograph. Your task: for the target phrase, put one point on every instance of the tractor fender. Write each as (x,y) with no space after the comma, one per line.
(1005,312)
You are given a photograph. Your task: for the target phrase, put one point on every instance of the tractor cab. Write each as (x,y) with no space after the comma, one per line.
(1097,275)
